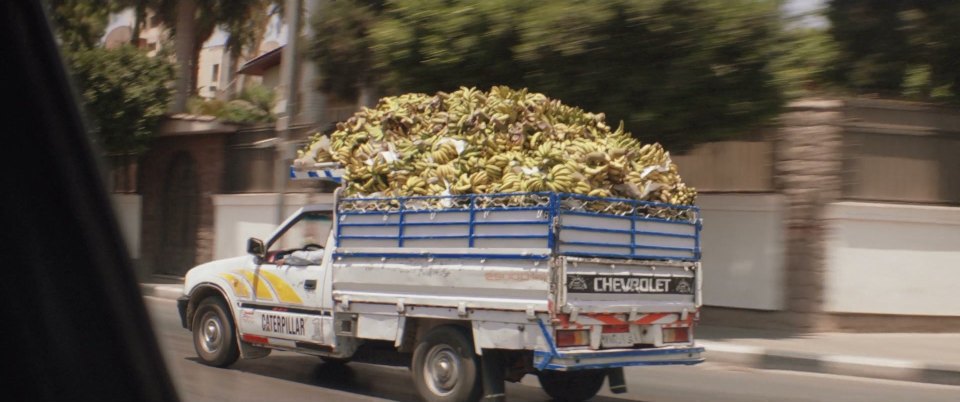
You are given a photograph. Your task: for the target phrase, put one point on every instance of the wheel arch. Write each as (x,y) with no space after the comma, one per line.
(203,291)
(415,328)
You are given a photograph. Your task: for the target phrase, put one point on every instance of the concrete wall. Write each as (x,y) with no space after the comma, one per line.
(128,208)
(238,217)
(893,259)
(742,240)
(743,250)
(728,166)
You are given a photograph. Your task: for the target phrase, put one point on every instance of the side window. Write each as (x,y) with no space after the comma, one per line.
(311,228)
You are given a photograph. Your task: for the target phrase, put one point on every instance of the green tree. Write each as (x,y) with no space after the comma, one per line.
(80,23)
(676,71)
(342,45)
(805,57)
(897,48)
(193,22)
(125,93)
(245,22)
(254,104)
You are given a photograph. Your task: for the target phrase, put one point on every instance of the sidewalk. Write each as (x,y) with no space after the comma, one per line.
(917,357)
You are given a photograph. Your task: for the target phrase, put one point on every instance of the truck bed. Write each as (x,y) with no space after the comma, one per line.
(550,223)
(533,252)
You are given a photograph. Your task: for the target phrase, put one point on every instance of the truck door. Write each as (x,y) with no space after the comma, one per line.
(289,304)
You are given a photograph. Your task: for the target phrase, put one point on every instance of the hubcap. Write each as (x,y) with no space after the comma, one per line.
(442,369)
(211,333)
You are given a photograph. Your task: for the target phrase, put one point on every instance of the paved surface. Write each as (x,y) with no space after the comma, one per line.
(916,357)
(919,357)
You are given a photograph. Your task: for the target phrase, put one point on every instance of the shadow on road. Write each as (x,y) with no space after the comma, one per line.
(391,383)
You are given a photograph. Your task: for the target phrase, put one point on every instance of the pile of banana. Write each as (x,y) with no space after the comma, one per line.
(502,141)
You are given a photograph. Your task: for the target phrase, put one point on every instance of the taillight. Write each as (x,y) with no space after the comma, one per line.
(675,335)
(573,337)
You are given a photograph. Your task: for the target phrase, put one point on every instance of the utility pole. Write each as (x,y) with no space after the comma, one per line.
(290,61)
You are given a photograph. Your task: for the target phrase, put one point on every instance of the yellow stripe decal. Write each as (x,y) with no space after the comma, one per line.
(283,290)
(240,288)
(261,288)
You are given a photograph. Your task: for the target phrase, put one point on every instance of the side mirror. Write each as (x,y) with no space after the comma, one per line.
(255,247)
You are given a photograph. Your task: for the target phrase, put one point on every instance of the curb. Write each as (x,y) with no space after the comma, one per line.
(768,358)
(857,366)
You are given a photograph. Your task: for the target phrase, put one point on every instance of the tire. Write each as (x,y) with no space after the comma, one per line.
(571,386)
(214,334)
(445,368)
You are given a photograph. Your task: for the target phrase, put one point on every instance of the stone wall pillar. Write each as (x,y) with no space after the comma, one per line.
(807,168)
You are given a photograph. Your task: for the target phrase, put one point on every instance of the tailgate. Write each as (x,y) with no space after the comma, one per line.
(594,285)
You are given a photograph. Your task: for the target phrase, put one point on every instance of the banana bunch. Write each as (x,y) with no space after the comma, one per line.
(444,152)
(499,141)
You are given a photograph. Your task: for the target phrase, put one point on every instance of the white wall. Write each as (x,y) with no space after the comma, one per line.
(208,57)
(893,259)
(128,208)
(742,241)
(743,250)
(238,217)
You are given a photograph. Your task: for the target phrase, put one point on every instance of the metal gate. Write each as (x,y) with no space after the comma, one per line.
(179,217)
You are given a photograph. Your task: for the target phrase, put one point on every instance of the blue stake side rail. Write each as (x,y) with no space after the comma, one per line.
(585,226)
(331,172)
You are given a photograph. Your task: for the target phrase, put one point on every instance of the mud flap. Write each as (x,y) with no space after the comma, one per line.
(618,384)
(491,371)
(248,351)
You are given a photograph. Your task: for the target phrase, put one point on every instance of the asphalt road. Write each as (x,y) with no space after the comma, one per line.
(285,376)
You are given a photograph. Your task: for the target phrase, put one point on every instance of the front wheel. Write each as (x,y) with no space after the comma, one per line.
(214,337)
(571,386)
(445,368)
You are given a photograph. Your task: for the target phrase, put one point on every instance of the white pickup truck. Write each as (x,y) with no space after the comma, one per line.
(467,291)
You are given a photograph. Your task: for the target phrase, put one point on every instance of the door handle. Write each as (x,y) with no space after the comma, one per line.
(310,284)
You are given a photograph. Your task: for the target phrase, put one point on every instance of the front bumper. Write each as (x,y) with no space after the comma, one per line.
(600,359)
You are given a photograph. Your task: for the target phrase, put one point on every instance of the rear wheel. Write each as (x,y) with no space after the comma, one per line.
(214,336)
(445,367)
(571,386)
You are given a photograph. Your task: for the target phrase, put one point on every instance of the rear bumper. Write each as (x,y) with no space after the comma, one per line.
(593,359)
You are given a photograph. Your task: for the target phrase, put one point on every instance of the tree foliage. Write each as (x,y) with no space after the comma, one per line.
(803,61)
(254,104)
(244,21)
(342,45)
(125,93)
(676,71)
(897,47)
(80,23)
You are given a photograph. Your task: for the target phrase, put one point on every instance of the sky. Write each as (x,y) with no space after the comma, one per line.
(794,7)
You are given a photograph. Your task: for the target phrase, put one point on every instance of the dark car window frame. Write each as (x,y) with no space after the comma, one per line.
(78,325)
